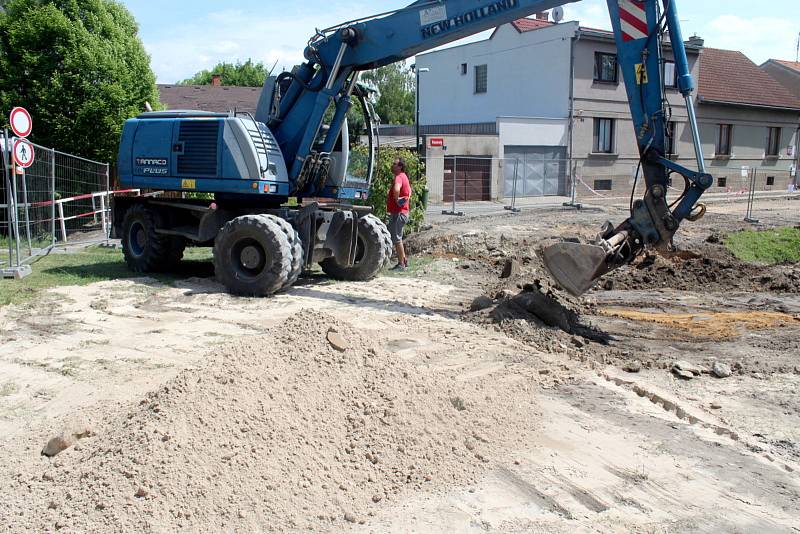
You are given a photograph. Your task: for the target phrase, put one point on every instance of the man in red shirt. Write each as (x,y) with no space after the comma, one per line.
(397,206)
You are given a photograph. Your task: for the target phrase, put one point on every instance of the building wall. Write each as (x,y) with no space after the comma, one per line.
(785,76)
(528,76)
(463,145)
(610,101)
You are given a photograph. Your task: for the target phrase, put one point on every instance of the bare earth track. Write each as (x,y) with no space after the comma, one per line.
(399,406)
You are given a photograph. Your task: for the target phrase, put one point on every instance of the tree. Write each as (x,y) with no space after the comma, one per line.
(80,69)
(394,84)
(247,74)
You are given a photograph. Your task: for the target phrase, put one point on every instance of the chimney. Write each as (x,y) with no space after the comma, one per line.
(216,80)
(696,40)
(544,15)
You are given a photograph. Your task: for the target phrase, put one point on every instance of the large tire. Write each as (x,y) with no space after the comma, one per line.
(297,252)
(373,253)
(253,255)
(144,250)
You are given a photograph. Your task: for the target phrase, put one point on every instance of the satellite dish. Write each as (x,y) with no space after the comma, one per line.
(558,14)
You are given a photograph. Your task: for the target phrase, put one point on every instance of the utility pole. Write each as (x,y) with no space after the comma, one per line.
(416,120)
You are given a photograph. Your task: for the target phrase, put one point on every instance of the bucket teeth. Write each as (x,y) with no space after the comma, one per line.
(575,266)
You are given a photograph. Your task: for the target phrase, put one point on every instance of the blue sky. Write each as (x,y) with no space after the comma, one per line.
(184,36)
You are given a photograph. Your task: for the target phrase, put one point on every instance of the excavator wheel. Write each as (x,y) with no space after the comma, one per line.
(297,252)
(253,255)
(373,251)
(146,251)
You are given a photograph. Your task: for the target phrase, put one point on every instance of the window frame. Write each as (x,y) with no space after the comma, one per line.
(671,138)
(674,84)
(776,140)
(463,69)
(596,148)
(485,68)
(719,146)
(597,78)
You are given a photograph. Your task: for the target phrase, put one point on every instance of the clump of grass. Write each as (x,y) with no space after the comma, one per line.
(766,246)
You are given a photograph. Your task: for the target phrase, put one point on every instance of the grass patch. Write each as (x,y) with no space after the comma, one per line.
(416,267)
(93,264)
(767,246)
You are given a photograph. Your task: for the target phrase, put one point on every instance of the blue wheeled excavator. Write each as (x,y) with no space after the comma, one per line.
(297,145)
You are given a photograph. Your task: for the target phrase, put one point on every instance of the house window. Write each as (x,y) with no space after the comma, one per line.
(670,76)
(604,136)
(481,78)
(463,69)
(724,140)
(770,180)
(773,141)
(605,67)
(602,185)
(722,181)
(670,140)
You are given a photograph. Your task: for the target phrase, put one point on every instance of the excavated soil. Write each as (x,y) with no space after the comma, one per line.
(306,427)
(710,268)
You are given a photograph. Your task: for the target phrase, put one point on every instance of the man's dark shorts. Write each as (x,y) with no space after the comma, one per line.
(397,222)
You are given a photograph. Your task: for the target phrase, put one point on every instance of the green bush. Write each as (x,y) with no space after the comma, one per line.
(383,180)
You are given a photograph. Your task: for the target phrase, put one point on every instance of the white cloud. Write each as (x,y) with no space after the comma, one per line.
(760,38)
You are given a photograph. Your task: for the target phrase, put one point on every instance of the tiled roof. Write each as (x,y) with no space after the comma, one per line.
(528,25)
(219,99)
(794,65)
(729,76)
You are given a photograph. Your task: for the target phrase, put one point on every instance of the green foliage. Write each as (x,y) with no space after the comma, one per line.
(395,86)
(768,246)
(247,74)
(384,179)
(79,67)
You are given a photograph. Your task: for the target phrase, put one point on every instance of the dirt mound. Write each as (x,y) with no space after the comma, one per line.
(306,428)
(708,268)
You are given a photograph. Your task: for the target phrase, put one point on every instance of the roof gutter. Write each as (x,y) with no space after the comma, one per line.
(703,100)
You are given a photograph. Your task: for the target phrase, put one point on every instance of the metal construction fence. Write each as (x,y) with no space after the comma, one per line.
(60,198)
(461,185)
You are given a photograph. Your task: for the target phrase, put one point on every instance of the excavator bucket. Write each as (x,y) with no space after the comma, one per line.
(575,266)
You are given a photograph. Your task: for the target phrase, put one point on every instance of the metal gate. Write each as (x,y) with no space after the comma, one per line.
(469,177)
(542,171)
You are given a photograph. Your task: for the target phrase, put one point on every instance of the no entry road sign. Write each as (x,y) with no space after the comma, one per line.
(23,153)
(21,122)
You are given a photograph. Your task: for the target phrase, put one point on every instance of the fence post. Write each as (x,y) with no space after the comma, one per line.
(8,199)
(573,180)
(107,205)
(750,198)
(53,196)
(63,223)
(513,207)
(24,176)
(455,174)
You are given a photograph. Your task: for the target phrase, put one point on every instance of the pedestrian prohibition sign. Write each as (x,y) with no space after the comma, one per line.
(21,122)
(23,153)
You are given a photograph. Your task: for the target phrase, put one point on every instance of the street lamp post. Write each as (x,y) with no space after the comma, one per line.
(416,121)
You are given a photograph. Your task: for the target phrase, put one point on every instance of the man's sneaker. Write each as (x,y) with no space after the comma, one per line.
(398,267)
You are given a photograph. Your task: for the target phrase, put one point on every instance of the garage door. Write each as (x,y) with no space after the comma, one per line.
(473,177)
(540,171)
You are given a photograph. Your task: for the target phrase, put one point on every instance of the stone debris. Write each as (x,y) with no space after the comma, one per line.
(721,370)
(511,268)
(481,303)
(336,340)
(633,367)
(686,370)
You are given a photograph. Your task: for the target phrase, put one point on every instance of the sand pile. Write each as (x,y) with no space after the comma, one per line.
(281,432)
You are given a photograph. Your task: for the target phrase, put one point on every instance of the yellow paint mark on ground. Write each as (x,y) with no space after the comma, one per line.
(713,325)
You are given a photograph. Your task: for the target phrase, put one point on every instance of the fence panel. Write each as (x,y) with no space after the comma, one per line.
(60,198)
